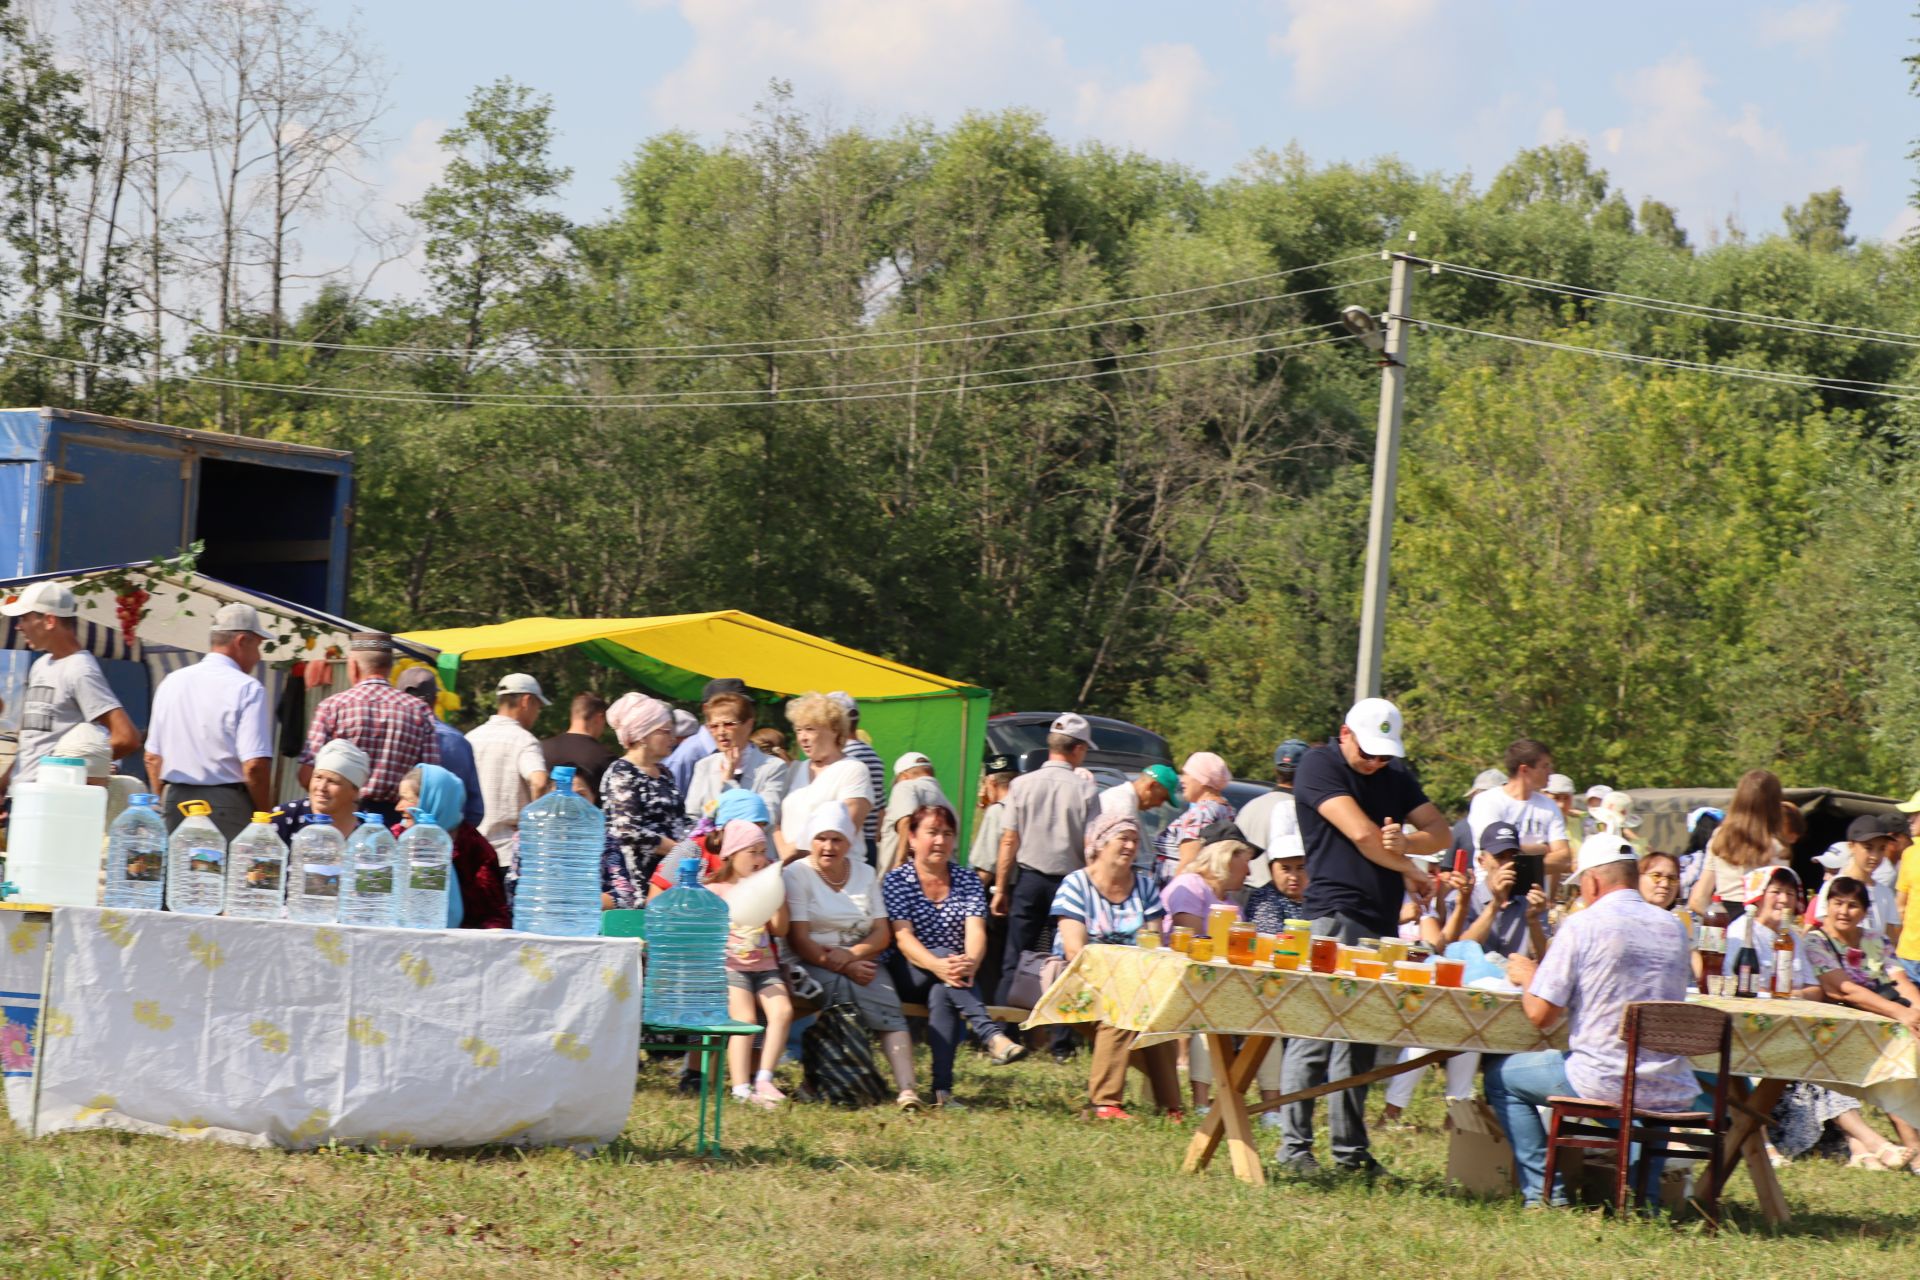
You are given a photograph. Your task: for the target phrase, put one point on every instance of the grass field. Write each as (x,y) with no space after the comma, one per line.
(1015,1186)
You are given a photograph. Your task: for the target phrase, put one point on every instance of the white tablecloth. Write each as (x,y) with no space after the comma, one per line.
(277,1033)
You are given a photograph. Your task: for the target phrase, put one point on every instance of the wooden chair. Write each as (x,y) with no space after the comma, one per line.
(1653,1026)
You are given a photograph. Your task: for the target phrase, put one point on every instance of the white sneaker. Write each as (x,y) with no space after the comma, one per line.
(1270,1119)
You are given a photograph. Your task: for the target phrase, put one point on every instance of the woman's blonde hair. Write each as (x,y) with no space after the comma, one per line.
(1211,862)
(817,710)
(1754,819)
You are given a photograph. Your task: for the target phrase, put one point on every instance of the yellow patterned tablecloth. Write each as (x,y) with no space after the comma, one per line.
(1163,994)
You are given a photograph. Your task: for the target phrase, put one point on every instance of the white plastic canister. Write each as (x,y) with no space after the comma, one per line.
(54,843)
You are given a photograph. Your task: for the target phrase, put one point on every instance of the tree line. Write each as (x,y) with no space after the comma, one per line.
(1070,422)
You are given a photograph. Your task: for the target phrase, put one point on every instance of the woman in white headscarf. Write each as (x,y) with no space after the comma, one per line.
(837,925)
(339,771)
(645,814)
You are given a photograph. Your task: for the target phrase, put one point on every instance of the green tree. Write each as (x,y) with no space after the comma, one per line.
(1820,225)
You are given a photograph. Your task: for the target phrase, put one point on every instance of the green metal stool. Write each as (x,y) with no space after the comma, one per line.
(710,1041)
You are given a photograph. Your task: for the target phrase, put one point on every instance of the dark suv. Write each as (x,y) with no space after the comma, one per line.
(1118,747)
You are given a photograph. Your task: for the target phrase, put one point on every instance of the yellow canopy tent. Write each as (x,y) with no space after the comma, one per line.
(901,709)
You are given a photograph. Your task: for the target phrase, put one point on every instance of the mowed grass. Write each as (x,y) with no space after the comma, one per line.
(1016,1186)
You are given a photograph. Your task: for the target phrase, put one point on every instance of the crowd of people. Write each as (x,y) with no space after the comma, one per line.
(884,912)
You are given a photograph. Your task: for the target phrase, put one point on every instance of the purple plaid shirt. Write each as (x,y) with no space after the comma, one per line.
(395,729)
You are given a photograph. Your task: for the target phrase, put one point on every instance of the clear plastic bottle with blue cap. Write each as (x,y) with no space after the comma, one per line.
(313,879)
(371,888)
(197,863)
(686,975)
(561,841)
(427,851)
(137,856)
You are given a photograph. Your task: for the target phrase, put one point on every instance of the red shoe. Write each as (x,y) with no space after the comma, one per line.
(1175,1115)
(1111,1113)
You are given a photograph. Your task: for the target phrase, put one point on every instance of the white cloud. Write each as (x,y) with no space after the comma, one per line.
(1807,27)
(1678,144)
(1153,113)
(1338,47)
(418,163)
(1902,225)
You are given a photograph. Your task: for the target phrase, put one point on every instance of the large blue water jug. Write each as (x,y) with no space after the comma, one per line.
(686,975)
(561,840)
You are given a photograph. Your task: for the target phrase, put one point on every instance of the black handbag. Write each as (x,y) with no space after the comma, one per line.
(836,1059)
(1037,971)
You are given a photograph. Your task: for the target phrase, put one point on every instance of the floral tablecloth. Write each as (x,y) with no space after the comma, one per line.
(1163,994)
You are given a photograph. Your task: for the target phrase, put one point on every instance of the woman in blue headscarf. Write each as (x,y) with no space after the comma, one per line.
(477,896)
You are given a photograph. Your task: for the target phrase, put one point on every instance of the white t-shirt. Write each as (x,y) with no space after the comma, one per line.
(1271,818)
(844,779)
(834,917)
(61,693)
(1537,818)
(507,759)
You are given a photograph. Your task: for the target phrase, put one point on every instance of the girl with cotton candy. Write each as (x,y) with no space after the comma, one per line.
(754,985)
(645,814)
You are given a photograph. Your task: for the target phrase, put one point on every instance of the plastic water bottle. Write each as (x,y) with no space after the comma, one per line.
(137,856)
(370,892)
(313,881)
(428,852)
(561,840)
(197,863)
(686,976)
(257,872)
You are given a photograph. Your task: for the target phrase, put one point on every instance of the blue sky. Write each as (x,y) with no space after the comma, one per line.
(1721,109)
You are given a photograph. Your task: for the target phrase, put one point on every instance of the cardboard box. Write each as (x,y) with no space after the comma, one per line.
(1479,1157)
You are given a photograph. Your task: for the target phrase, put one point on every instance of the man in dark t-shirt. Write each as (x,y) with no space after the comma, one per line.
(1352,797)
(580,746)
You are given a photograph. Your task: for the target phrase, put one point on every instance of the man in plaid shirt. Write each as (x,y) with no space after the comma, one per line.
(395,729)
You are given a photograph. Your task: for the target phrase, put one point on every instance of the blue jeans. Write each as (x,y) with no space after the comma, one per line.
(1306,1063)
(947,1008)
(1521,1082)
(1911,966)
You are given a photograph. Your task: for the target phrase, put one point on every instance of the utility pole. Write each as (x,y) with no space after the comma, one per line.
(1386,466)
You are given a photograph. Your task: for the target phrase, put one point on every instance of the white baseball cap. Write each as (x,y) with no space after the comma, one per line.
(1598,791)
(1602,850)
(1377,726)
(684,725)
(520,682)
(1559,784)
(46,596)
(1485,780)
(240,617)
(1072,726)
(911,760)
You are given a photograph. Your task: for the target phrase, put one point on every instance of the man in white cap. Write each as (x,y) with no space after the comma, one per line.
(1618,951)
(65,686)
(913,786)
(1352,798)
(208,737)
(512,768)
(1043,839)
(395,729)
(1485,780)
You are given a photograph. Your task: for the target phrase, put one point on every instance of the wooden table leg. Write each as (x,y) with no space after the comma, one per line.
(1747,1140)
(1228,1117)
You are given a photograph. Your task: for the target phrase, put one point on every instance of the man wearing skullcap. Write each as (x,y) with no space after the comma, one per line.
(395,729)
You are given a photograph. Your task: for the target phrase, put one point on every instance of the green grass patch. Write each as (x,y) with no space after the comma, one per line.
(1015,1186)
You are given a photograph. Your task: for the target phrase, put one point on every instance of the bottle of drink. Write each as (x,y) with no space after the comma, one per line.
(369,893)
(313,881)
(428,852)
(686,976)
(1748,976)
(197,863)
(1713,958)
(561,839)
(1781,985)
(257,872)
(137,856)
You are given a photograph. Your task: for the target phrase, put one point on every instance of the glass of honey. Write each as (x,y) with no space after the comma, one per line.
(1241,940)
(1181,939)
(1448,973)
(1286,960)
(1220,918)
(1392,950)
(1148,938)
(1414,975)
(1264,945)
(1200,950)
(1371,969)
(1324,954)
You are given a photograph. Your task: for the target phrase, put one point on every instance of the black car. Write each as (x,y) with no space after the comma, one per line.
(1117,746)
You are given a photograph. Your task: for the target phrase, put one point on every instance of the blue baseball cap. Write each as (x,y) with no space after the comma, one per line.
(738,802)
(1287,755)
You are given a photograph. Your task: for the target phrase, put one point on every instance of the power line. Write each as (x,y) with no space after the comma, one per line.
(764,402)
(1887,390)
(824,344)
(1697,310)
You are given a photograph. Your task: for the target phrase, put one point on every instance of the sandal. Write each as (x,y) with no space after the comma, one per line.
(1011,1054)
(1867,1160)
(908,1100)
(1111,1113)
(1893,1157)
